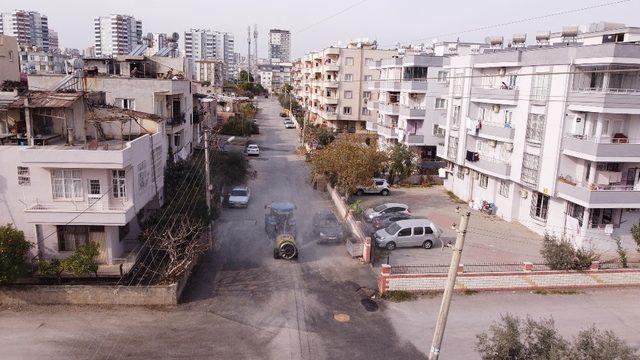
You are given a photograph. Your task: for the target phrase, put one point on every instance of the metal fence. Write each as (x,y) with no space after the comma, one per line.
(493,268)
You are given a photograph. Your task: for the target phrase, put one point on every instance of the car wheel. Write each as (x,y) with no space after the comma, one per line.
(384,192)
(390,245)
(359,192)
(427,244)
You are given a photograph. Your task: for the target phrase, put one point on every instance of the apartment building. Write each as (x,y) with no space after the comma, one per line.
(75,170)
(155,85)
(30,28)
(210,70)
(205,44)
(549,132)
(116,34)
(274,76)
(279,46)
(54,41)
(9,61)
(333,85)
(40,62)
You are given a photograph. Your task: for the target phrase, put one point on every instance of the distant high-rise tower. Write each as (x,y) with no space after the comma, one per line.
(30,28)
(117,34)
(279,46)
(255,45)
(205,44)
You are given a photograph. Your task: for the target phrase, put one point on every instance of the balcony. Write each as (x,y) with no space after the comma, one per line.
(392,62)
(330,100)
(599,196)
(390,85)
(332,51)
(82,212)
(603,149)
(612,101)
(373,105)
(331,67)
(413,139)
(387,131)
(494,132)
(494,95)
(490,166)
(330,83)
(371,126)
(413,113)
(441,151)
(414,85)
(389,109)
(328,115)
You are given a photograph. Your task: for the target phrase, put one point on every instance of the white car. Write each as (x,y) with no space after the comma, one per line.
(239,197)
(380,186)
(289,124)
(383,209)
(253,149)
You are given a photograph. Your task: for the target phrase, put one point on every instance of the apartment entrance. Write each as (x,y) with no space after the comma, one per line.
(71,237)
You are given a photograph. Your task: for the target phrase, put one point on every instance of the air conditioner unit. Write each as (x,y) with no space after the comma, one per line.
(502,71)
(496,108)
(524,194)
(508,147)
(492,143)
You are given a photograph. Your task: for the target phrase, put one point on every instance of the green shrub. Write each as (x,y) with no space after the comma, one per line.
(397,295)
(82,262)
(560,254)
(13,253)
(239,127)
(49,268)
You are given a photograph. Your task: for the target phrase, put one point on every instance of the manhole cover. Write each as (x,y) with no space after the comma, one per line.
(369,304)
(342,317)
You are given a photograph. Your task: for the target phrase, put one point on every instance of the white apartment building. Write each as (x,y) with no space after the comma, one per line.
(40,62)
(279,46)
(116,34)
(411,104)
(274,76)
(54,41)
(210,70)
(74,173)
(332,85)
(550,133)
(204,44)
(30,28)
(9,60)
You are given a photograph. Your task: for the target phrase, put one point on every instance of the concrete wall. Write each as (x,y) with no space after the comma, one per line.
(9,63)
(89,295)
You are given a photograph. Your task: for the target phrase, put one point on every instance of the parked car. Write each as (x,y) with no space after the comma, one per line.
(383,209)
(409,233)
(289,124)
(239,197)
(253,150)
(327,227)
(283,114)
(385,220)
(379,186)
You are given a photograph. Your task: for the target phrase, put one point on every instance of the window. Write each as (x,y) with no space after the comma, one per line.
(366,95)
(540,87)
(348,61)
(535,128)
(508,115)
(443,76)
(157,160)
(484,181)
(143,178)
(441,103)
(119,181)
(460,173)
(94,187)
(11,55)
(405,232)
(369,62)
(452,148)
(366,111)
(418,230)
(530,166)
(575,211)
(71,236)
(346,110)
(455,119)
(368,78)
(66,184)
(428,230)
(24,178)
(348,77)
(127,103)
(504,188)
(539,206)
(177,139)
(348,94)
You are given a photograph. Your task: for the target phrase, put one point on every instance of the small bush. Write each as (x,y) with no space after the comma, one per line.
(397,296)
(356,208)
(82,262)
(238,127)
(622,253)
(560,254)
(13,253)
(49,268)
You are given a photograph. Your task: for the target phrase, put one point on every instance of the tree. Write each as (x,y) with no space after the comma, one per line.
(402,162)
(349,162)
(560,254)
(229,169)
(515,338)
(320,135)
(239,127)
(635,233)
(83,261)
(13,253)
(248,111)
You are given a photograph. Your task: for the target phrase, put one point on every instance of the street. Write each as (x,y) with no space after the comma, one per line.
(243,304)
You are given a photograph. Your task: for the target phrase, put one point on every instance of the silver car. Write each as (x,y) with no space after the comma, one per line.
(384,209)
(409,233)
(239,197)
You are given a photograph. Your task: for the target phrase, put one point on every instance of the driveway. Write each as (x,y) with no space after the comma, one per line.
(489,239)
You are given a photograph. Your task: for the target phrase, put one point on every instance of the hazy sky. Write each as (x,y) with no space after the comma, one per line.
(387,21)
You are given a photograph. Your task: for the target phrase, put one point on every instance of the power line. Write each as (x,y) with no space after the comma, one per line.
(332,16)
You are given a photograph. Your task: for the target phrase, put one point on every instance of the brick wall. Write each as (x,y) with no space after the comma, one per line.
(522,280)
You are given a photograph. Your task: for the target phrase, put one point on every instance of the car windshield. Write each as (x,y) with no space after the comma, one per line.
(239,192)
(392,229)
(379,208)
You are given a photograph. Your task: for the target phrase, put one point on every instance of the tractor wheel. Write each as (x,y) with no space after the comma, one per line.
(288,251)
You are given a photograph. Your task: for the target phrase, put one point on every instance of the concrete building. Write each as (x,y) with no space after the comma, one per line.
(155,85)
(332,85)
(211,71)
(274,76)
(116,34)
(549,133)
(40,62)
(9,60)
(75,170)
(30,28)
(54,41)
(279,46)
(204,44)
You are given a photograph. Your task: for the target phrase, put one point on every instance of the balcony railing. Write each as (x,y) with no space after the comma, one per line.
(507,96)
(390,109)
(389,132)
(328,115)
(491,165)
(606,99)
(413,139)
(412,112)
(597,195)
(390,85)
(371,125)
(494,130)
(602,148)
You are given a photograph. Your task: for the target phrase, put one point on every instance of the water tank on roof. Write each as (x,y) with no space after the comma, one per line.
(519,40)
(543,37)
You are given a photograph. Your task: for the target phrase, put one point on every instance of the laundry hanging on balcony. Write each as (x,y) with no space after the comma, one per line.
(472,156)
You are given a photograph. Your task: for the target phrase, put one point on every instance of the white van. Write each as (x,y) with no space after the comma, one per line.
(409,233)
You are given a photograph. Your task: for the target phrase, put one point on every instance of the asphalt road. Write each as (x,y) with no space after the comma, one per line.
(243,304)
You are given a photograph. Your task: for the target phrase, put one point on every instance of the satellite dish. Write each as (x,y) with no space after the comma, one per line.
(175,36)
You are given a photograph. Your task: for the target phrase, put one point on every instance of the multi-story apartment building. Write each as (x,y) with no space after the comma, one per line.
(9,60)
(279,46)
(274,76)
(54,41)
(30,28)
(211,71)
(40,62)
(333,84)
(116,34)
(75,170)
(550,133)
(204,44)
(148,84)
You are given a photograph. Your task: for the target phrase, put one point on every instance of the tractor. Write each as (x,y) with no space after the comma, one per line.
(280,226)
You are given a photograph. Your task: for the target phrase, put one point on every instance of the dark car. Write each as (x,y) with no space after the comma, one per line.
(327,227)
(385,220)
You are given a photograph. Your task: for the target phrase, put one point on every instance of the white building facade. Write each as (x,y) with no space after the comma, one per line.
(116,34)
(203,44)
(279,46)
(30,28)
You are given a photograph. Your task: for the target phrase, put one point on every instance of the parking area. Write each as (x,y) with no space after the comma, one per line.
(489,239)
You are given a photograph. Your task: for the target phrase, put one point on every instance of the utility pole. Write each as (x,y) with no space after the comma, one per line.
(207,174)
(249,54)
(448,291)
